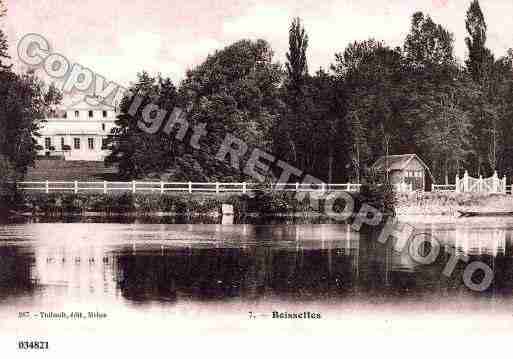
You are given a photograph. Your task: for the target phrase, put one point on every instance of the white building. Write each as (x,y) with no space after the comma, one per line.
(78,133)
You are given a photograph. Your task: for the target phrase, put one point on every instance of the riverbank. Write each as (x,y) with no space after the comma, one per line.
(450,203)
(256,204)
(262,204)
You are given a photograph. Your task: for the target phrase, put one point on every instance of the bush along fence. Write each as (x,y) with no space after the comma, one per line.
(259,202)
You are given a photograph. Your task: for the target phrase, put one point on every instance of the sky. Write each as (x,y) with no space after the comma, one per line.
(118,38)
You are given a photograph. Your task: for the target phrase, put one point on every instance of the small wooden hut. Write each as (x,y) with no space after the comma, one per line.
(409,169)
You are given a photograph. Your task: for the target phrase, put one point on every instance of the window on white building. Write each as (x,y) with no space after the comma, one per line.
(76,143)
(76,114)
(90,114)
(48,143)
(62,143)
(103,127)
(90,143)
(104,113)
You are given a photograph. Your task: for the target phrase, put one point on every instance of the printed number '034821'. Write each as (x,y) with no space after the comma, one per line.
(32,345)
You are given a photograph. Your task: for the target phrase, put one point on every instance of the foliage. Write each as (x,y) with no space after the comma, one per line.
(311,133)
(67,203)
(137,152)
(335,124)
(234,91)
(374,100)
(24,102)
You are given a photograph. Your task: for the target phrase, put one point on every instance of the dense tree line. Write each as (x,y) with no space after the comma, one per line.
(330,123)
(335,123)
(235,91)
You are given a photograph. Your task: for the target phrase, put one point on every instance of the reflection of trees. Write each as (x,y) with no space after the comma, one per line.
(503,267)
(15,272)
(145,277)
(360,266)
(216,273)
(198,273)
(491,246)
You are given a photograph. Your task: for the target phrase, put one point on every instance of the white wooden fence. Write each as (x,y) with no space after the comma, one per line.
(492,184)
(190,187)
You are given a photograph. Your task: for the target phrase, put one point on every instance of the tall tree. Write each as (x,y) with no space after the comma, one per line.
(297,64)
(445,134)
(436,97)
(327,148)
(294,119)
(480,65)
(235,90)
(480,58)
(24,102)
(137,152)
(370,74)
(501,99)
(428,44)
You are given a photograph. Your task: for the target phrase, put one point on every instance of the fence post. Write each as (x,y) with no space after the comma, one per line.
(190,187)
(244,187)
(456,182)
(217,187)
(480,187)
(76,187)
(161,187)
(297,186)
(104,187)
(323,187)
(496,183)
(47,187)
(465,182)
(133,186)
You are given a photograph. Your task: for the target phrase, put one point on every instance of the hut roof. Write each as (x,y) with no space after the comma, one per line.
(398,163)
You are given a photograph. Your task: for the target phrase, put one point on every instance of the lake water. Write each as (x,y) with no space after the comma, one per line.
(190,278)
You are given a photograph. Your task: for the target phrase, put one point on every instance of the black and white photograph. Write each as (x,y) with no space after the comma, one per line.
(249,179)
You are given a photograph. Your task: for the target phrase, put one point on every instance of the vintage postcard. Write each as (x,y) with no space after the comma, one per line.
(245,178)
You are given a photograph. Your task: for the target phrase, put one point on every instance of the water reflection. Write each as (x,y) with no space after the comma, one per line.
(147,263)
(16,277)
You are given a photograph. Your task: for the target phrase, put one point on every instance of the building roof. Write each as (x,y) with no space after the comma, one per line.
(398,163)
(89,103)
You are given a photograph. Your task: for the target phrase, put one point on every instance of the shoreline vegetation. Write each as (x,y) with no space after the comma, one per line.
(261,204)
(264,204)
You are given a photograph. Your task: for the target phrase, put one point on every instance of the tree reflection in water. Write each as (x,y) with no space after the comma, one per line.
(297,263)
(16,276)
(354,266)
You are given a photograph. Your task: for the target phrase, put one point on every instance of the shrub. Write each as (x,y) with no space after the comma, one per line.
(271,202)
(381,197)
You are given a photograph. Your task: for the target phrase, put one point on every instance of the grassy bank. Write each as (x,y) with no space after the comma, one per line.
(449,203)
(264,203)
